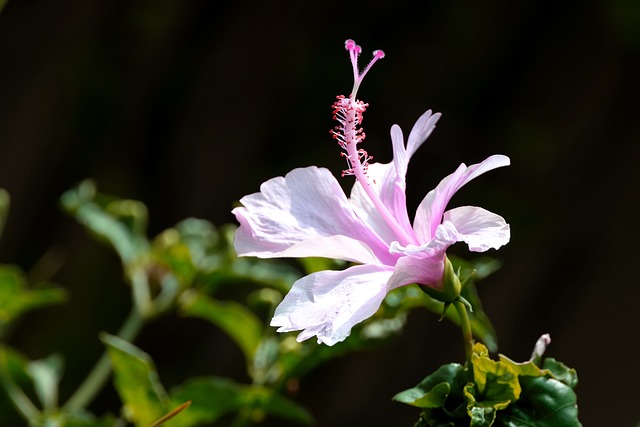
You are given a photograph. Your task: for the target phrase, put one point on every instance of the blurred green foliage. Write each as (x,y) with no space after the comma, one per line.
(183,270)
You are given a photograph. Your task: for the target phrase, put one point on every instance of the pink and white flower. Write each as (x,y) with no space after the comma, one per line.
(307,214)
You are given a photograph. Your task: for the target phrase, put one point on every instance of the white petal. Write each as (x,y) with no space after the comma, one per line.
(336,247)
(300,215)
(425,270)
(479,228)
(421,131)
(445,236)
(328,304)
(430,211)
(400,159)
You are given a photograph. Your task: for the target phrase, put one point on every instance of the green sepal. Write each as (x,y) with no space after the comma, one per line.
(450,287)
(459,285)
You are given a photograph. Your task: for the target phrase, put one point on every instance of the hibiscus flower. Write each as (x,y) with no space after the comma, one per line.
(307,214)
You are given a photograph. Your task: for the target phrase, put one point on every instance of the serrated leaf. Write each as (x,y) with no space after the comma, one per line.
(136,381)
(237,321)
(529,368)
(494,381)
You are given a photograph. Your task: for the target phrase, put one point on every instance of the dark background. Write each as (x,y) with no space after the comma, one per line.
(189,105)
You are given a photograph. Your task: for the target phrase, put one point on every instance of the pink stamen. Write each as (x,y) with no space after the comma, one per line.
(348,112)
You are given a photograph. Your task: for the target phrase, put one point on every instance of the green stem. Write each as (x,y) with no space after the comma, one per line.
(99,375)
(20,400)
(4,196)
(467,335)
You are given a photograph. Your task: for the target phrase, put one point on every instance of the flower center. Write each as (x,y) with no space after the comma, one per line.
(347,111)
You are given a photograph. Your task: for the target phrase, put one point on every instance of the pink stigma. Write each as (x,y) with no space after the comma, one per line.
(354,51)
(348,111)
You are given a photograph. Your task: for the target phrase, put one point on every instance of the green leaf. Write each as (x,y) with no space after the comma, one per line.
(434,389)
(272,403)
(214,397)
(76,419)
(561,372)
(16,298)
(191,248)
(14,377)
(211,398)
(494,381)
(315,264)
(136,380)
(46,374)
(482,414)
(545,402)
(434,398)
(122,223)
(500,393)
(240,323)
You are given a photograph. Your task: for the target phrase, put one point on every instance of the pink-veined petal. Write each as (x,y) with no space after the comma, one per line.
(479,228)
(386,184)
(388,179)
(430,211)
(328,304)
(300,215)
